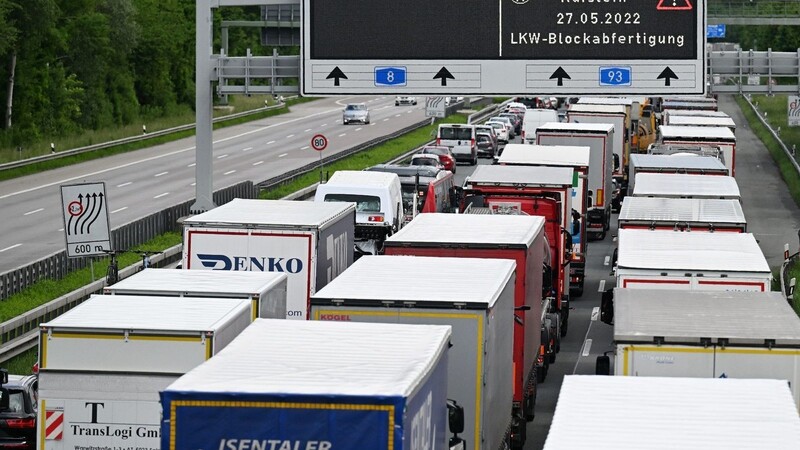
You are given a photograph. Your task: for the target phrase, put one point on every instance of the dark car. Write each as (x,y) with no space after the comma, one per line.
(445,155)
(486,146)
(18,407)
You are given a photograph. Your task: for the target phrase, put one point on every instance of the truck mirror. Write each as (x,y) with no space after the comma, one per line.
(589,201)
(455,416)
(616,162)
(3,376)
(603,365)
(607,307)
(547,280)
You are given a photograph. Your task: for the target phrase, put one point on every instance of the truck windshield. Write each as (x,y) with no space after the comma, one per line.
(364,203)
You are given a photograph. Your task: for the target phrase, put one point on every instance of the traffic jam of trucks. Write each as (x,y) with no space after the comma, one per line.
(398,310)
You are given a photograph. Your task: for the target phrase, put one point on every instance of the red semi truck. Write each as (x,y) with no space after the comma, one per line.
(519,238)
(535,191)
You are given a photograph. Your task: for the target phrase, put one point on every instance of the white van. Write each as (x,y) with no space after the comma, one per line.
(534,118)
(379,204)
(460,138)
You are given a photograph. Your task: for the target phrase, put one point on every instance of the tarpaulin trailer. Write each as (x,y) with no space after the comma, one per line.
(682,214)
(517,238)
(706,334)
(267,290)
(721,137)
(474,296)
(103,363)
(674,164)
(315,386)
(678,185)
(635,413)
(691,261)
(311,242)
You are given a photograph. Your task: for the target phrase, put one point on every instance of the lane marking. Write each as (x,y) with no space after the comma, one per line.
(585,338)
(306,130)
(303,148)
(386,119)
(343,134)
(193,184)
(270,142)
(587,347)
(602,286)
(358,129)
(324,125)
(33,212)
(120,209)
(164,155)
(60,229)
(164,194)
(160,174)
(247,149)
(607,261)
(11,247)
(282,155)
(192,165)
(372,124)
(125,184)
(222,156)
(595,313)
(229,172)
(258,163)
(289,136)
(398,115)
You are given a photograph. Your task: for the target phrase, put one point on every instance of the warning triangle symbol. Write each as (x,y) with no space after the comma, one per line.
(674,5)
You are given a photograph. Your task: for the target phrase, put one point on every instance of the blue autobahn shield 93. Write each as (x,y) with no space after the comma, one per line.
(615,76)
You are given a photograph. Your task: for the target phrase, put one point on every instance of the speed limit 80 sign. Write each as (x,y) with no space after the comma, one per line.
(319,142)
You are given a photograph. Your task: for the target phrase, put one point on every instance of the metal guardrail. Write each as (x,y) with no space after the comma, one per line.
(128,140)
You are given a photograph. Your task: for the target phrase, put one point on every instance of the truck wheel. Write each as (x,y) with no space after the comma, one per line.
(603,365)
(474,161)
(529,406)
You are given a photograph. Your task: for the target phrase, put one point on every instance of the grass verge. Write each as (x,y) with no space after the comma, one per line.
(88,156)
(22,364)
(376,155)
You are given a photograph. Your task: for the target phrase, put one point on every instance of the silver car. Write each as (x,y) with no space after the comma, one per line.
(355,112)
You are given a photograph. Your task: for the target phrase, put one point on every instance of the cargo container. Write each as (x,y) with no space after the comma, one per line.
(562,156)
(617,115)
(682,214)
(672,185)
(315,385)
(676,118)
(706,334)
(540,191)
(311,242)
(474,296)
(518,238)
(266,290)
(681,164)
(691,261)
(103,363)
(600,138)
(633,413)
(721,137)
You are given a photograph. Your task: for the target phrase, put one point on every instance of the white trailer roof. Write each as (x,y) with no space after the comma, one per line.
(556,127)
(672,250)
(748,318)
(688,210)
(691,99)
(209,282)
(705,121)
(546,155)
(689,162)
(474,282)
(279,213)
(150,313)
(683,185)
(654,413)
(521,175)
(321,358)
(696,113)
(362,178)
(593,108)
(671,132)
(469,229)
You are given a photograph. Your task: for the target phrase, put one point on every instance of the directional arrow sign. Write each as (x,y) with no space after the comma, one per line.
(667,74)
(444,74)
(85,212)
(336,74)
(560,74)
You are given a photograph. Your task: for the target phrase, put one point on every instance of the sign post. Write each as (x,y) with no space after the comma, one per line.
(318,143)
(793,110)
(86,224)
(505,47)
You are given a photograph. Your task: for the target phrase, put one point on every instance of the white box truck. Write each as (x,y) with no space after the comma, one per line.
(266,290)
(617,115)
(721,137)
(705,334)
(310,242)
(634,413)
(315,386)
(600,138)
(578,158)
(474,296)
(678,118)
(691,261)
(681,164)
(682,214)
(103,363)
(678,185)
